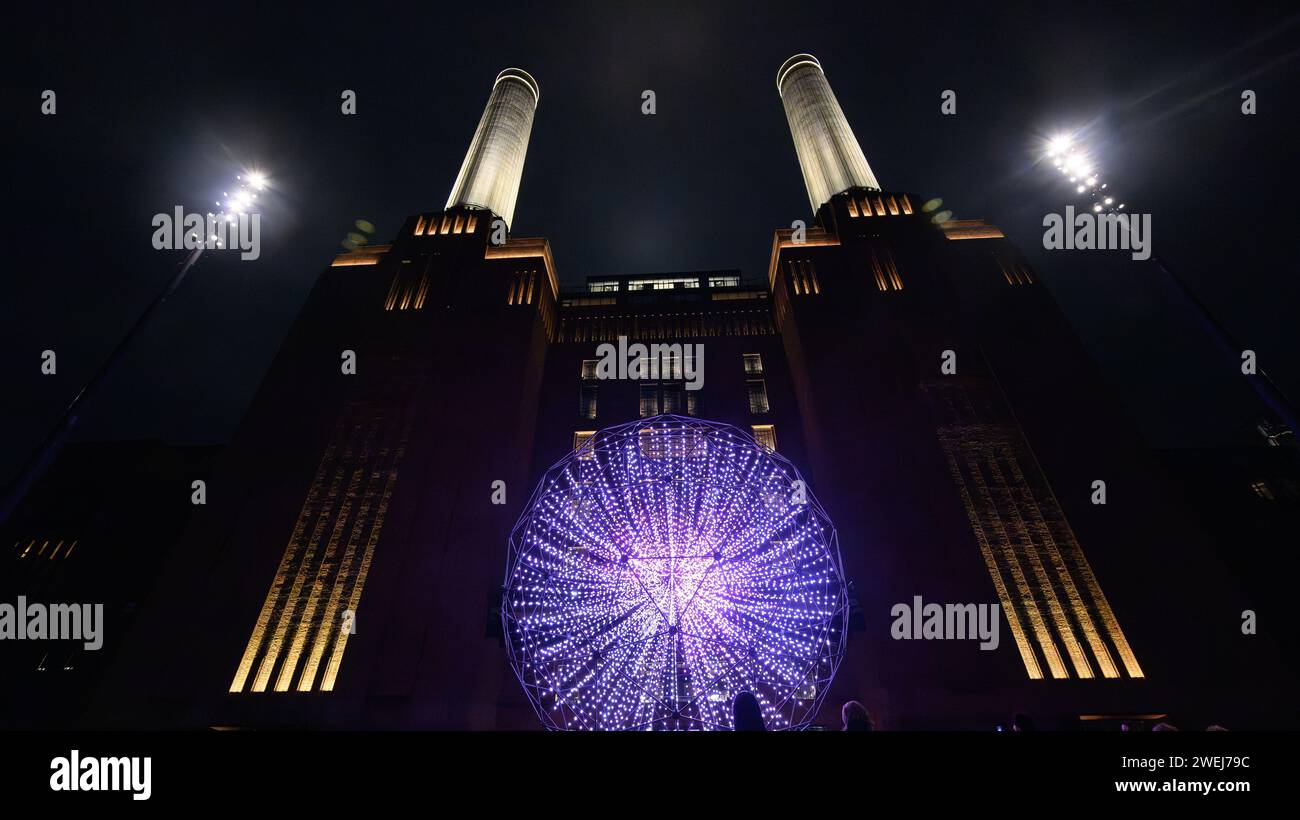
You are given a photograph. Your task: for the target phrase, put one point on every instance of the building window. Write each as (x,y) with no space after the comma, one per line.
(587,401)
(582,444)
(765,434)
(757,395)
(885,271)
(408,291)
(23,550)
(664,284)
(803,277)
(1015,274)
(671,367)
(589,368)
(602,287)
(1262,490)
(753,364)
(724,281)
(522,285)
(673,399)
(649,400)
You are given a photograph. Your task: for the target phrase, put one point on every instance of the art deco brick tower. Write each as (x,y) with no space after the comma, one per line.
(344,570)
(963,485)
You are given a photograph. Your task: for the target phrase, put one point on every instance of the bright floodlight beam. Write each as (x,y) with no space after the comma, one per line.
(1070,160)
(53,443)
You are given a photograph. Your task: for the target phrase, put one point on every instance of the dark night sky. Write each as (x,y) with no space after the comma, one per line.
(159,109)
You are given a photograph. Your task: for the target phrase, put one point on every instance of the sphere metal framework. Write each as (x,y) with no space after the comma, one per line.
(664,566)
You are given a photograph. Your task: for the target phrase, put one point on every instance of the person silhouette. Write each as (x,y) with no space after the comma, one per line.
(746,713)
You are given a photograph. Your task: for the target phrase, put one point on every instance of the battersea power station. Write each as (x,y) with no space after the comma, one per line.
(884,469)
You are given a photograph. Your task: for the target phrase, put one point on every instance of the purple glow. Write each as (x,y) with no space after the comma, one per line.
(664,567)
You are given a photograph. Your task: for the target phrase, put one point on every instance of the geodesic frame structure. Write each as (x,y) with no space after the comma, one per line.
(661,568)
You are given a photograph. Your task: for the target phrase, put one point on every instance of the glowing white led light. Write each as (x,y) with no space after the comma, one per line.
(664,567)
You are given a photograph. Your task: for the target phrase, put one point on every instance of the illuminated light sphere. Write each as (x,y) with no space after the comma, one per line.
(665,566)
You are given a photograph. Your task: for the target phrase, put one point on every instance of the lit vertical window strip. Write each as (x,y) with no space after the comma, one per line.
(322,571)
(391,301)
(1019,531)
(1024,536)
(367,560)
(985,518)
(810,275)
(1013,614)
(271,605)
(885,271)
(422,292)
(361,447)
(1033,508)
(295,575)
